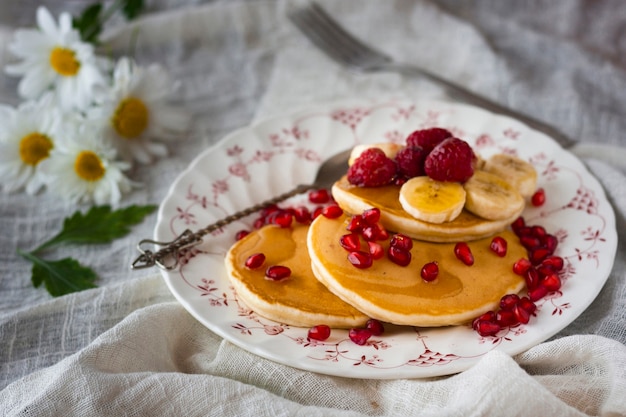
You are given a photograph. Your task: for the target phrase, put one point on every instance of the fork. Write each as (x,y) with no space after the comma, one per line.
(327,34)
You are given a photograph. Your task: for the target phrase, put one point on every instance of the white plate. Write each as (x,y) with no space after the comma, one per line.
(261,161)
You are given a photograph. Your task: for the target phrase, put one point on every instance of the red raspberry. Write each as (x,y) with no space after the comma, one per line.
(451,160)
(410,161)
(372,169)
(427,139)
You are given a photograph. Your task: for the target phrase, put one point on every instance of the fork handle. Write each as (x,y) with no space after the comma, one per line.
(470,97)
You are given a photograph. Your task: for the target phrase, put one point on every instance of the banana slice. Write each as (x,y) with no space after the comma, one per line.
(517,172)
(491,197)
(390,149)
(432,201)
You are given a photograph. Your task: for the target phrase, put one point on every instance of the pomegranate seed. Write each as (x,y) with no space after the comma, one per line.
(498,246)
(399,255)
(537,255)
(350,242)
(550,242)
(356,224)
(506,318)
(360,259)
(524,231)
(320,196)
(521,266)
(538,231)
(518,224)
(371,216)
(552,282)
(488,316)
(464,253)
(522,315)
(530,242)
(255,260)
(332,212)
(527,305)
(375,327)
(553,262)
(487,328)
(382,233)
(376,250)
(319,332)
(532,279)
(317,211)
(509,301)
(538,198)
(430,271)
(370,233)
(282,218)
(241,234)
(269,210)
(302,215)
(359,336)
(537,293)
(258,223)
(277,273)
(401,241)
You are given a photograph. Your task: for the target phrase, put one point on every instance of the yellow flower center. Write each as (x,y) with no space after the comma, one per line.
(34,147)
(130,118)
(88,166)
(64,61)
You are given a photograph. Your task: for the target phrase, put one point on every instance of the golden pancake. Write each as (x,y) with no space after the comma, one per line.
(465,227)
(397,294)
(301,300)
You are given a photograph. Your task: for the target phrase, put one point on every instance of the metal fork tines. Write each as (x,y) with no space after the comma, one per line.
(324,31)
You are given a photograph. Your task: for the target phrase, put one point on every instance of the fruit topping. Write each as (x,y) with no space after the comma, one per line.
(360,259)
(498,246)
(256,260)
(517,172)
(410,161)
(432,201)
(319,332)
(277,273)
(538,198)
(452,160)
(321,196)
(359,336)
(332,211)
(427,139)
(375,327)
(463,252)
(372,169)
(399,255)
(430,271)
(490,197)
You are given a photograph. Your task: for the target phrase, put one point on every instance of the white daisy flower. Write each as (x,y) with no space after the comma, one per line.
(134,111)
(83,169)
(28,135)
(54,56)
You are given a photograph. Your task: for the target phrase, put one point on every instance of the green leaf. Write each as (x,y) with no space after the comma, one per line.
(89,23)
(132,8)
(60,277)
(99,225)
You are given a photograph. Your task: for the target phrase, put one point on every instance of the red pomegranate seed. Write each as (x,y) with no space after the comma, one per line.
(538,231)
(487,328)
(302,215)
(382,233)
(532,279)
(321,196)
(430,271)
(521,266)
(278,272)
(356,224)
(375,327)
(350,242)
(370,233)
(527,305)
(498,246)
(401,241)
(256,260)
(319,332)
(371,216)
(522,315)
(518,224)
(538,198)
(530,242)
(553,262)
(376,250)
(537,293)
(552,282)
(464,253)
(550,242)
(258,223)
(359,336)
(360,259)
(488,316)
(509,301)
(241,234)
(399,255)
(537,255)
(332,211)
(317,211)
(506,318)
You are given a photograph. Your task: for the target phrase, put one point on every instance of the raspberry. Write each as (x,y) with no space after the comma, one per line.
(427,139)
(451,160)
(372,169)
(410,161)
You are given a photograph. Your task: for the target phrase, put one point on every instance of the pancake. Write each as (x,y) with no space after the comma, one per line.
(465,227)
(301,300)
(398,295)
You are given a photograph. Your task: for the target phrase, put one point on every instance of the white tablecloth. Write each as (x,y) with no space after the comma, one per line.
(128,348)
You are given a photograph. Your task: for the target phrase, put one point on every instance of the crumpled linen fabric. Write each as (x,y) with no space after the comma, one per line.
(128,348)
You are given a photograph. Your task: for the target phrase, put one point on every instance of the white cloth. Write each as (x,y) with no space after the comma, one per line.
(127,348)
